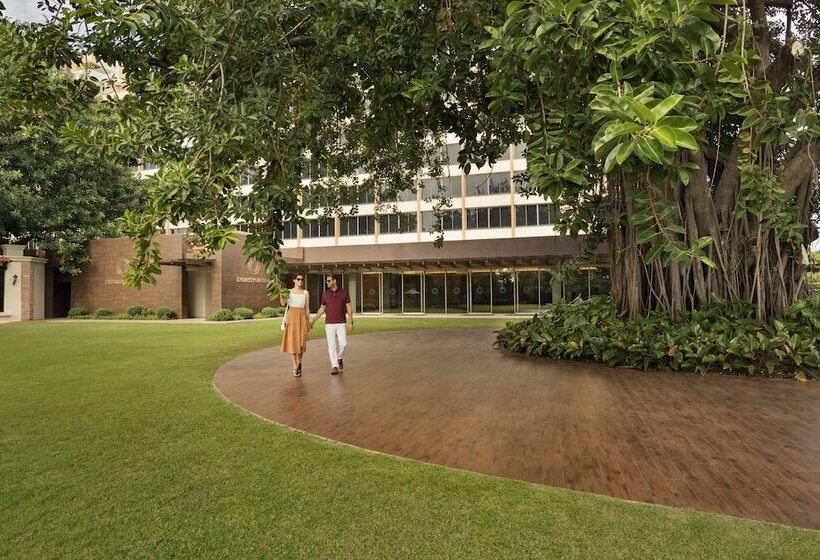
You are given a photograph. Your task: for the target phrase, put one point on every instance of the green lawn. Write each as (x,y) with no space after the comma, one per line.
(114,443)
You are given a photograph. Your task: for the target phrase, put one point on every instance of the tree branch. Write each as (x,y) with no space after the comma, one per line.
(725,191)
(757,9)
(800,167)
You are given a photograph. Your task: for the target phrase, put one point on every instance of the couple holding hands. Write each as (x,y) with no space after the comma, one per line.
(335,303)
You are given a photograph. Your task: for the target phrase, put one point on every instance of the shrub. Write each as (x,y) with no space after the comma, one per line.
(268,312)
(166,313)
(103,312)
(78,312)
(222,315)
(243,313)
(136,310)
(723,337)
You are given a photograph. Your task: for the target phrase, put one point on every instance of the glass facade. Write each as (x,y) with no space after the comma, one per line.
(503,295)
(391,292)
(446,186)
(412,291)
(435,293)
(488,183)
(480,292)
(371,294)
(504,291)
(457,300)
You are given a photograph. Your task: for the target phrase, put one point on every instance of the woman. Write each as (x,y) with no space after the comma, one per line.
(295,335)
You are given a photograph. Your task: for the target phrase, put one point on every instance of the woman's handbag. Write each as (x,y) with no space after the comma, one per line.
(284,319)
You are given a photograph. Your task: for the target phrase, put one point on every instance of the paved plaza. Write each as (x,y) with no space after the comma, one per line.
(739,446)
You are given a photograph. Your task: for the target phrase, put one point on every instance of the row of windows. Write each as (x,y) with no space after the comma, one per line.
(477,185)
(477,218)
(535,215)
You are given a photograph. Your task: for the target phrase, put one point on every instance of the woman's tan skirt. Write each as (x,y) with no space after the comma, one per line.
(295,336)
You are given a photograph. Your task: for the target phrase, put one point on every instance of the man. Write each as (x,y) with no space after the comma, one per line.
(335,302)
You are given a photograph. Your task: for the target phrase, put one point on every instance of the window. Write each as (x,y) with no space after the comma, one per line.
(522,185)
(359,194)
(313,169)
(289,231)
(488,183)
(247,177)
(535,215)
(319,228)
(401,196)
(448,186)
(449,220)
(449,154)
(481,218)
(181,230)
(149,166)
(358,225)
(520,151)
(398,223)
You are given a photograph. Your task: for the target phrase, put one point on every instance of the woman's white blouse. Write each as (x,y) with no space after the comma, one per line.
(296,300)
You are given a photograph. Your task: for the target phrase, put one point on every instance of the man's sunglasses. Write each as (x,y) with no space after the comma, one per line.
(300,279)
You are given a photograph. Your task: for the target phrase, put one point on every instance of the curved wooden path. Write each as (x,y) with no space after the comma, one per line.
(738,446)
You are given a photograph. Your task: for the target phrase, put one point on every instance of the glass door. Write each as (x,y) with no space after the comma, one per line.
(480,292)
(435,290)
(412,290)
(370,295)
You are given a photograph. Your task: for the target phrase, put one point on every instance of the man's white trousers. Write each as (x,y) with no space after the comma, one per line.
(336,342)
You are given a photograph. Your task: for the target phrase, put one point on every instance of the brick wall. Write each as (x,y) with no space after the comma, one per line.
(242,285)
(100,284)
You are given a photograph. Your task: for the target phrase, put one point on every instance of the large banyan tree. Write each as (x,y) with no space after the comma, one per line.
(683,131)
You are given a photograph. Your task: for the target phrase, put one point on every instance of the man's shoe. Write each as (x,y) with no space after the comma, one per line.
(334,371)
(341,365)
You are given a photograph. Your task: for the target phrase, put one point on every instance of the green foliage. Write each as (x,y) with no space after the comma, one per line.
(166,313)
(222,315)
(49,194)
(268,312)
(77,312)
(723,337)
(137,310)
(680,131)
(282,89)
(243,313)
(103,312)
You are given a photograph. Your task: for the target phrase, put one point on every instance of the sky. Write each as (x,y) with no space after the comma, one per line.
(25,10)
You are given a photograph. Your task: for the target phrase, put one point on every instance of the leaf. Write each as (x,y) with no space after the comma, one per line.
(642,110)
(613,131)
(514,6)
(625,151)
(686,124)
(661,109)
(685,140)
(651,149)
(708,262)
(665,134)
(800,376)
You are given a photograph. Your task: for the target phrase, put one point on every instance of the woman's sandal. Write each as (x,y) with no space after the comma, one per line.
(297,373)
(299,368)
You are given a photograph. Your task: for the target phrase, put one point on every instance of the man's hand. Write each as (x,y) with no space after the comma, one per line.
(351,326)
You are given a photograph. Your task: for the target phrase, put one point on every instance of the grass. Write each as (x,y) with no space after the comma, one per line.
(114,443)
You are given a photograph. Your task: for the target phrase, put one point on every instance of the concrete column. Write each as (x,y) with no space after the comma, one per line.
(25,285)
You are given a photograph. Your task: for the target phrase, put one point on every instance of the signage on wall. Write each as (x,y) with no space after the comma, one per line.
(255,268)
(119,271)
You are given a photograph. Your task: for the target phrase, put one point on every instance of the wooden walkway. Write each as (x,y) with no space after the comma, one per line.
(739,446)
